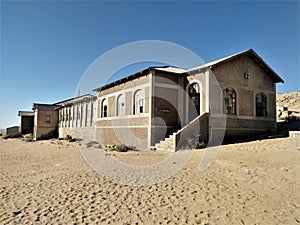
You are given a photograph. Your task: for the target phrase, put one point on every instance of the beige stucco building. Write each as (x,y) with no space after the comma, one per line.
(76,117)
(45,121)
(232,98)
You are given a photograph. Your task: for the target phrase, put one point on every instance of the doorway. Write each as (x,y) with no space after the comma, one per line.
(194,93)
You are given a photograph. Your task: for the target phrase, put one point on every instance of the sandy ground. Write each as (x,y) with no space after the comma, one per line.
(290,100)
(249,183)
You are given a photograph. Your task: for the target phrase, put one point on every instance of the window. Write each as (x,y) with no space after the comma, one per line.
(229,101)
(92,114)
(194,89)
(104,108)
(194,93)
(138,100)
(78,113)
(261,104)
(70,114)
(67,115)
(48,119)
(121,105)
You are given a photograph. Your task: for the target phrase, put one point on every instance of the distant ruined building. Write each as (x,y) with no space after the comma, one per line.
(74,117)
(167,107)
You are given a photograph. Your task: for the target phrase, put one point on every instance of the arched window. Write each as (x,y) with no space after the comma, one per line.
(121,105)
(138,100)
(261,104)
(229,95)
(194,93)
(104,108)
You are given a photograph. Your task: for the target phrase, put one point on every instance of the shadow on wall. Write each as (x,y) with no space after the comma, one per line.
(282,131)
(49,135)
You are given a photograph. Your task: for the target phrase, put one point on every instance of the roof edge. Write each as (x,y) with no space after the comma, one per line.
(215,63)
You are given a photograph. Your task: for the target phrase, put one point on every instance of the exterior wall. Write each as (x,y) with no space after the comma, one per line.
(165,114)
(231,75)
(129,129)
(12,130)
(77,120)
(44,127)
(168,106)
(195,132)
(201,79)
(172,107)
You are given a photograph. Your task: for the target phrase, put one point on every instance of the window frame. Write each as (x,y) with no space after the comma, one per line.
(261,110)
(229,101)
(103,108)
(48,118)
(138,102)
(120,111)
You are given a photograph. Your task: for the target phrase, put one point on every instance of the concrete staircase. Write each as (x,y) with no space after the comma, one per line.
(169,143)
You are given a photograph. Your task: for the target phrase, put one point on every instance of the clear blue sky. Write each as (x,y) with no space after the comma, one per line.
(46,46)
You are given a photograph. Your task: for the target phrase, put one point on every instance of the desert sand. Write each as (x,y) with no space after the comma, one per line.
(49,182)
(289,99)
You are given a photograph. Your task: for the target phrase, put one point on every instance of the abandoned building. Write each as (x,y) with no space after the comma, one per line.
(168,107)
(76,117)
(12,130)
(162,107)
(45,121)
(26,122)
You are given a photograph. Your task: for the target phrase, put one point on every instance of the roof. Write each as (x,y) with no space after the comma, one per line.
(249,52)
(44,106)
(168,69)
(63,103)
(212,64)
(75,100)
(25,113)
(12,127)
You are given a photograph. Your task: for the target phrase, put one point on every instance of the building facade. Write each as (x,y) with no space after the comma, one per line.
(26,122)
(233,97)
(76,117)
(45,121)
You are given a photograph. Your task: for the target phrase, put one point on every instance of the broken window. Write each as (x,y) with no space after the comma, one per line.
(194,93)
(261,104)
(48,119)
(229,95)
(104,108)
(138,100)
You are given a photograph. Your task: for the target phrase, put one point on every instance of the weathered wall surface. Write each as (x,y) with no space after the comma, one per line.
(12,130)
(129,129)
(85,133)
(46,124)
(190,136)
(164,114)
(78,120)
(136,137)
(245,122)
(132,84)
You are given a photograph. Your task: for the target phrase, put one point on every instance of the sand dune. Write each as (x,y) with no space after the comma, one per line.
(290,100)
(249,183)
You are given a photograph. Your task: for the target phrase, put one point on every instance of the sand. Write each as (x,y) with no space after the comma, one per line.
(290,100)
(48,182)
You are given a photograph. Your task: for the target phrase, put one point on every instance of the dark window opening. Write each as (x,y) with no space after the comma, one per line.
(261,104)
(229,101)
